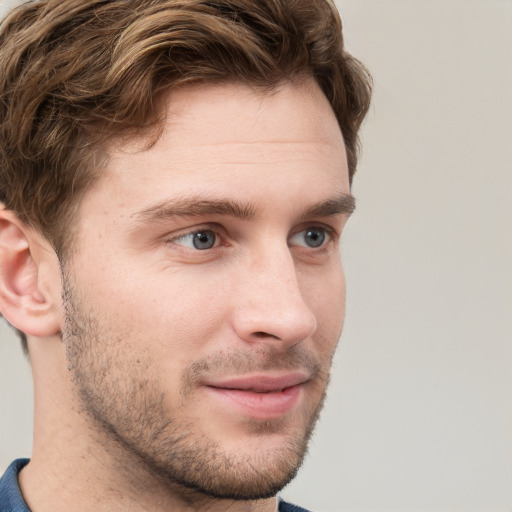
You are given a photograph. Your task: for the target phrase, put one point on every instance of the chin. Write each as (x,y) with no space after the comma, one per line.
(253,476)
(250,466)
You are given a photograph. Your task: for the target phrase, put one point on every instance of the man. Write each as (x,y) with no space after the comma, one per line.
(175,179)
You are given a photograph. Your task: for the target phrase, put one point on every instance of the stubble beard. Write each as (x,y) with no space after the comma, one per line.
(126,411)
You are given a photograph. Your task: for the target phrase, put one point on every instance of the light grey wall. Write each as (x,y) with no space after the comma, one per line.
(5,5)
(420,411)
(419,416)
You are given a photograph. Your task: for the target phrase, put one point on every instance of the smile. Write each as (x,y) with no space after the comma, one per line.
(260,397)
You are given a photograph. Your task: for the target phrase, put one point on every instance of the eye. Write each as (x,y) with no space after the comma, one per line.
(200,240)
(313,237)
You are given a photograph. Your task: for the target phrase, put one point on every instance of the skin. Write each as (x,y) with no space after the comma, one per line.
(127,366)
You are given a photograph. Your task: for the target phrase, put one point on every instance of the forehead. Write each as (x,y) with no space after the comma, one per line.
(233,112)
(209,117)
(229,140)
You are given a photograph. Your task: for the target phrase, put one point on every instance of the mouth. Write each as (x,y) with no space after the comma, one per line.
(259,396)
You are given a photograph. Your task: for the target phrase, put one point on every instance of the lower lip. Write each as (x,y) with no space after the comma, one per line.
(263,406)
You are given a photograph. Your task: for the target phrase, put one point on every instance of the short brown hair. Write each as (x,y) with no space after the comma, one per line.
(75,74)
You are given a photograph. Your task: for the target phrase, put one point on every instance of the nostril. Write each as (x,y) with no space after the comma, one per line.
(262,334)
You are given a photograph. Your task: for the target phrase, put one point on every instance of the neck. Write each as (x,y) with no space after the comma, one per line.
(68,486)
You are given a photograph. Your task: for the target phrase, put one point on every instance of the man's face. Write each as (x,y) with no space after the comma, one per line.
(205,294)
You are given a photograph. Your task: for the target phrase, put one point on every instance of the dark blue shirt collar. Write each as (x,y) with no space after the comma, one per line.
(11,499)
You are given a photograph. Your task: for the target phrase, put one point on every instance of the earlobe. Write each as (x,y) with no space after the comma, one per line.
(23,302)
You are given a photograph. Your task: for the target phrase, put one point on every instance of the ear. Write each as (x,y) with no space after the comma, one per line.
(29,278)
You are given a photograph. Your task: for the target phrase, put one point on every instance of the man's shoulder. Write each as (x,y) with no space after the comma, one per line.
(11,499)
(288,507)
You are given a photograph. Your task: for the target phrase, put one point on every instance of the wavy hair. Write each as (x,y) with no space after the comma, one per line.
(75,74)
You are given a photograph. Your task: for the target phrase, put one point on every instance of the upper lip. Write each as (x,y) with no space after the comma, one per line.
(260,383)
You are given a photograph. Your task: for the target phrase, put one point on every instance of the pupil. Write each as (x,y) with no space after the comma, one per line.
(204,240)
(315,237)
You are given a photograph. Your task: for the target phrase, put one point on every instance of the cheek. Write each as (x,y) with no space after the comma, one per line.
(186,315)
(165,316)
(325,295)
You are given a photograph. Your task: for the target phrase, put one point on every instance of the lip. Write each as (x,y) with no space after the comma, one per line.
(259,396)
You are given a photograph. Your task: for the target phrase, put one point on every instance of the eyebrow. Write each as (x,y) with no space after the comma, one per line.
(197,207)
(342,203)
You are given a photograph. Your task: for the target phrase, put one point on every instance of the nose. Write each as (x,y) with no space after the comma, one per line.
(270,305)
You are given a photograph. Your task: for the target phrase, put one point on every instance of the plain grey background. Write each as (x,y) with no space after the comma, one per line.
(419,415)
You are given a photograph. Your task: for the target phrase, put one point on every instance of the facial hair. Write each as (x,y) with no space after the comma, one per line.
(125,405)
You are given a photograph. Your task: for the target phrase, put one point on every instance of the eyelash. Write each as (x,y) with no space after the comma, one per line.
(197,231)
(330,237)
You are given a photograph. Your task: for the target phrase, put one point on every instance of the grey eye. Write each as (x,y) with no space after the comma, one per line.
(204,239)
(311,237)
(314,237)
(200,240)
